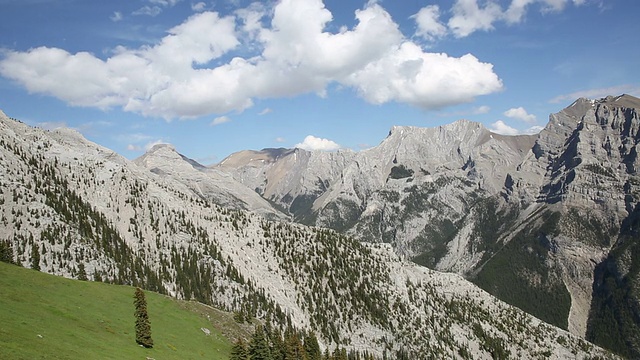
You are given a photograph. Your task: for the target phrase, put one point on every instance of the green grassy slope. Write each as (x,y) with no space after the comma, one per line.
(48,317)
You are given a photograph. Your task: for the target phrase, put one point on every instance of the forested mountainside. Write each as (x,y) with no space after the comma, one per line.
(546,222)
(72,208)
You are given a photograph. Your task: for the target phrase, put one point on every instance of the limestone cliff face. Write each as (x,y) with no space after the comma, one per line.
(155,223)
(546,208)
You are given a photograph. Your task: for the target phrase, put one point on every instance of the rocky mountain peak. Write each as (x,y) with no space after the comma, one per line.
(624,100)
(165,156)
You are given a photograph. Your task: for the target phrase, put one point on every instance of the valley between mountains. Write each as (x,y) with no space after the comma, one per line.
(447,242)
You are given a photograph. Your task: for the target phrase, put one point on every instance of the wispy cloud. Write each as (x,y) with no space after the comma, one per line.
(148,10)
(139,146)
(265,111)
(117,16)
(220,120)
(478,110)
(201,6)
(156,7)
(469,16)
(598,93)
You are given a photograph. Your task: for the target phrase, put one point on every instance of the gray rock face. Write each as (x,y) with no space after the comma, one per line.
(459,198)
(154,223)
(210,184)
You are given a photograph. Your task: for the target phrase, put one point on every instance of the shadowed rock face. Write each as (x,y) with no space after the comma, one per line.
(459,198)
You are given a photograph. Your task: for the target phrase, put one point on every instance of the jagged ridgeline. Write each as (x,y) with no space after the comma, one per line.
(72,208)
(546,222)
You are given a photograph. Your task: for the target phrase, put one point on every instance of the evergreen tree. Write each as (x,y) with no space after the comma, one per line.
(277,346)
(340,354)
(35,257)
(239,350)
(143,327)
(82,274)
(259,347)
(6,252)
(293,346)
(311,347)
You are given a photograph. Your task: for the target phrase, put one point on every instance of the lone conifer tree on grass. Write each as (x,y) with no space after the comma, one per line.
(143,327)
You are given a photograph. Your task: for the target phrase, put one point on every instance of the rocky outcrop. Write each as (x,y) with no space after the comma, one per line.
(546,208)
(213,185)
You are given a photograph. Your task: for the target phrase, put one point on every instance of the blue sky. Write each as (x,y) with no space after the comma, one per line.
(215,77)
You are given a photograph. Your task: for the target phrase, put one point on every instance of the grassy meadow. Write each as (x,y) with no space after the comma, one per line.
(48,317)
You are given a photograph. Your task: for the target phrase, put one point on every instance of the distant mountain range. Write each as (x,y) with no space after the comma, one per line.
(545,222)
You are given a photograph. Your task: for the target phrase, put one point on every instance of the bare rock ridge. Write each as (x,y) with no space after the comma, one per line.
(165,223)
(210,184)
(529,218)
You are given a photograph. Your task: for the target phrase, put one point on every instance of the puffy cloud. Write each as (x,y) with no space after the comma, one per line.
(500,127)
(312,143)
(521,114)
(516,11)
(220,120)
(469,17)
(192,71)
(280,139)
(428,22)
(265,111)
(427,80)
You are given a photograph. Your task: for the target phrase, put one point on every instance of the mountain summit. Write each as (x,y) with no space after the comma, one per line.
(532,219)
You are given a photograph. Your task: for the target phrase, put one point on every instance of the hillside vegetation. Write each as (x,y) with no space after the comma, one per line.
(50,317)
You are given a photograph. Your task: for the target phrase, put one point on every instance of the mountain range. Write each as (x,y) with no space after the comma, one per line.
(439,242)
(528,218)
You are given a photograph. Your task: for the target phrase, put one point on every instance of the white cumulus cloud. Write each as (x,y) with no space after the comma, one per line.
(500,127)
(312,143)
(470,16)
(193,71)
(520,113)
(428,23)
